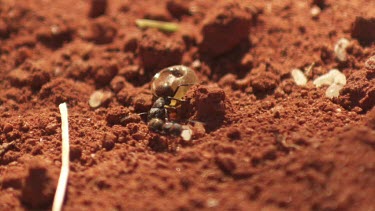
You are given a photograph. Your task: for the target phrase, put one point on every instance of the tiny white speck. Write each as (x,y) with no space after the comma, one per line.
(55,29)
(315,11)
(212,202)
(186,134)
(156,75)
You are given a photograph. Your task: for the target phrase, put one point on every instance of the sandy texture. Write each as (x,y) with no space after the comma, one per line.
(260,141)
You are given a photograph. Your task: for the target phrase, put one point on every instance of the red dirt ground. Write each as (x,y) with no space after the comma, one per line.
(265,142)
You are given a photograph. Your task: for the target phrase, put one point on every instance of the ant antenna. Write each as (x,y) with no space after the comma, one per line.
(143,113)
(195,121)
(127,117)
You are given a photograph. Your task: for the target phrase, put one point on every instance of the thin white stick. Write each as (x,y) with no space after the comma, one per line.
(63,180)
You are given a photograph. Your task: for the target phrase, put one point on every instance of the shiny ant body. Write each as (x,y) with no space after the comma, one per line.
(169,86)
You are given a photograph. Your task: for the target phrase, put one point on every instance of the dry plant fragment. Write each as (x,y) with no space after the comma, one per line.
(161,25)
(309,69)
(63,179)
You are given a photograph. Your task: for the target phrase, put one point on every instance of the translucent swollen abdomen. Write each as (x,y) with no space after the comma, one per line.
(173,81)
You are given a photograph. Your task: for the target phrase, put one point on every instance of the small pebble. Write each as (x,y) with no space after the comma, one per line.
(340,49)
(98,98)
(7,128)
(315,11)
(212,203)
(198,130)
(299,77)
(370,63)
(196,64)
(109,140)
(186,134)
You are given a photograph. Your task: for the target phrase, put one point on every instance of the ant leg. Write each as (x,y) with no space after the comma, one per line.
(186,85)
(195,121)
(130,117)
(143,113)
(173,98)
(166,115)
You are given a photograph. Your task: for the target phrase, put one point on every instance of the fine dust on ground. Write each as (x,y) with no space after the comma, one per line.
(260,141)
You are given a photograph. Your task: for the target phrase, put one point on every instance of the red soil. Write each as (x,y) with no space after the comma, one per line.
(265,142)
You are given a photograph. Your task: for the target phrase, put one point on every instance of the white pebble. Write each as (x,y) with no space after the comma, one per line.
(340,49)
(212,203)
(333,90)
(99,97)
(186,134)
(299,77)
(315,11)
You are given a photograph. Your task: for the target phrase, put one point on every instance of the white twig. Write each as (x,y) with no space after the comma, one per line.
(63,180)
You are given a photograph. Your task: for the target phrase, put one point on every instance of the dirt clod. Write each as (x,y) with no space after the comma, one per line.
(54,35)
(263,82)
(116,114)
(370,63)
(109,141)
(75,152)
(101,31)
(359,94)
(209,105)
(97,8)
(178,8)
(158,50)
(39,185)
(224,28)
(59,91)
(363,29)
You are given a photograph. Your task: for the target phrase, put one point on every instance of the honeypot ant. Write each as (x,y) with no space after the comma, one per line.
(169,86)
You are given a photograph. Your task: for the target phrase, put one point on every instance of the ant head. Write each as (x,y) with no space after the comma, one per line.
(163,90)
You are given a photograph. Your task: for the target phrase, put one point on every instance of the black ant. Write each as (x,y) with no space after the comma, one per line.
(169,86)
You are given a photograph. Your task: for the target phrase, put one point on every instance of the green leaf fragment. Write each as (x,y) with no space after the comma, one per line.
(161,25)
